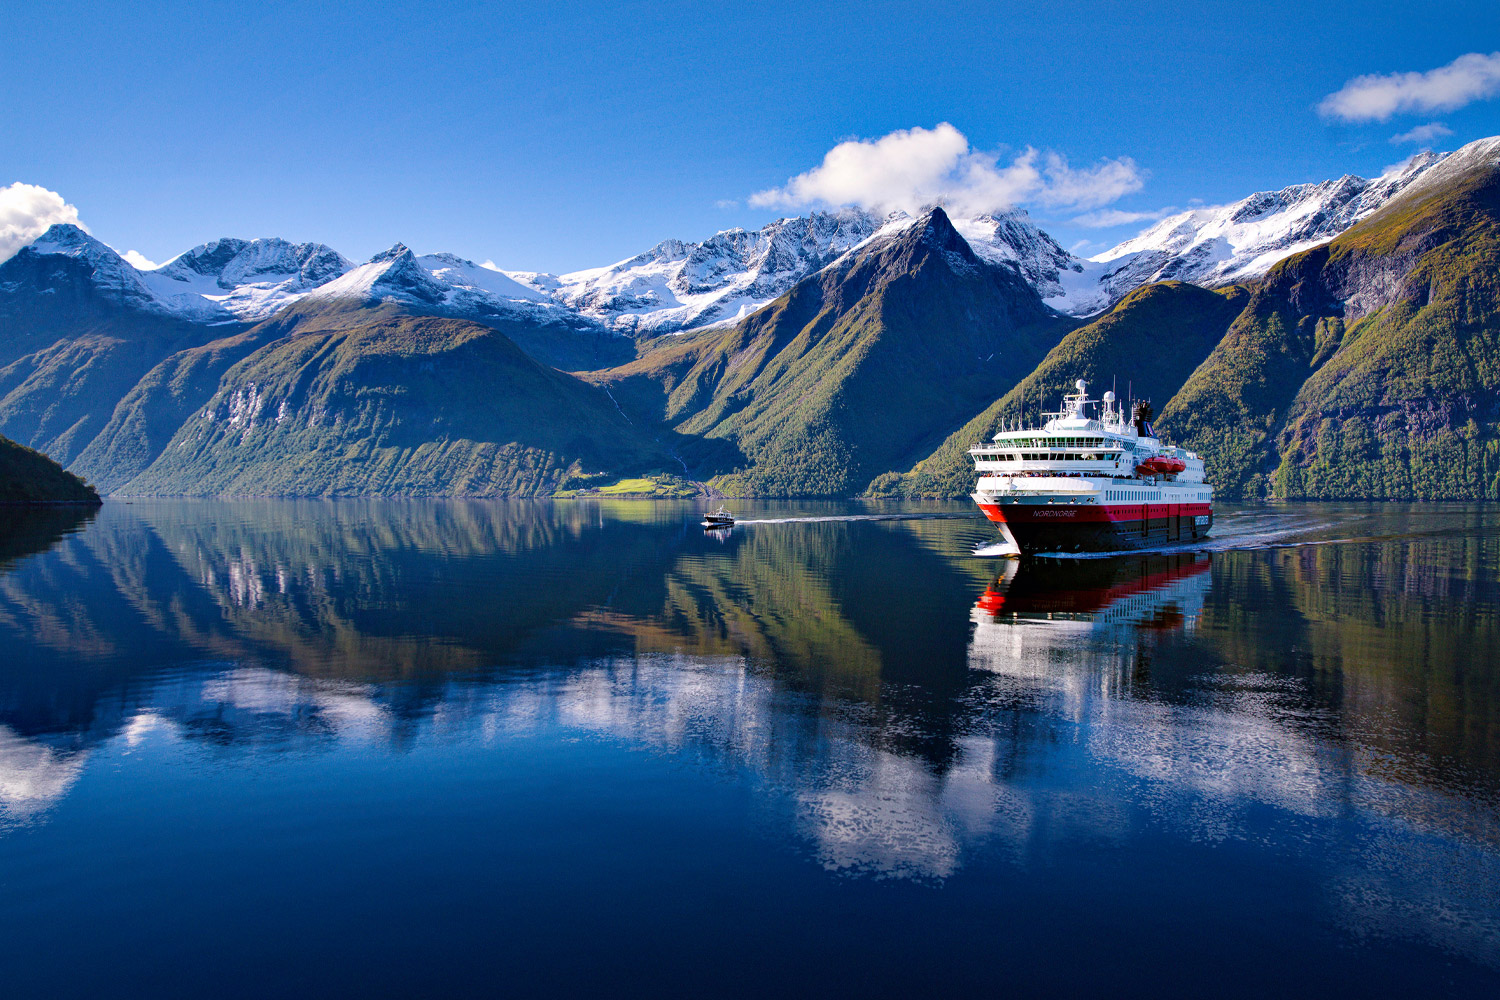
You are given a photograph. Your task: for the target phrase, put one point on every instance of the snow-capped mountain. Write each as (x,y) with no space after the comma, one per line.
(1012,238)
(1481,153)
(441,282)
(234,280)
(1226,243)
(677,285)
(247,280)
(674,286)
(105,274)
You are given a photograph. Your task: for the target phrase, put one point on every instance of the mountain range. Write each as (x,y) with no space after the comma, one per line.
(1330,339)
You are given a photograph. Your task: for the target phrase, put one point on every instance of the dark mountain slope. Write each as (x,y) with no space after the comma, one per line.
(76,334)
(27,476)
(1152,340)
(855,371)
(1369,367)
(396,406)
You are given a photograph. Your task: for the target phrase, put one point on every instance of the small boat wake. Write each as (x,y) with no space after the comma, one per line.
(859,517)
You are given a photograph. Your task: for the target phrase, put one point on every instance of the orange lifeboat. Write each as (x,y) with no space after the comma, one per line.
(1160,465)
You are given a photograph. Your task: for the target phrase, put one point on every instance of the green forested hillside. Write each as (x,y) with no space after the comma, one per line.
(1369,367)
(64,370)
(397,406)
(157,406)
(1152,339)
(855,371)
(29,477)
(1365,368)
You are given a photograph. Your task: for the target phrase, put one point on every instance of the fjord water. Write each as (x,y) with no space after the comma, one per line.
(353,748)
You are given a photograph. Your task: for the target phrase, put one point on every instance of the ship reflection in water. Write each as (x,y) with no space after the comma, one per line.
(543,725)
(1055,622)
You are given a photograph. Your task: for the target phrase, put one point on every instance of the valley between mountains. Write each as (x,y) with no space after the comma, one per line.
(1333,341)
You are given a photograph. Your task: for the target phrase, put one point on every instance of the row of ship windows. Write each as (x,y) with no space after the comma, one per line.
(1050,456)
(1057,442)
(1140,496)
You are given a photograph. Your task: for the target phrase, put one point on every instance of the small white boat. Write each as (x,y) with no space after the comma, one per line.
(720,518)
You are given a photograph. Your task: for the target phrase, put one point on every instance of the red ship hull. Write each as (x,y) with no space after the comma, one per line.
(1104,528)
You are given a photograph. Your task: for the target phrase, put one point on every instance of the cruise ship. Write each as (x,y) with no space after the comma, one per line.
(1091,479)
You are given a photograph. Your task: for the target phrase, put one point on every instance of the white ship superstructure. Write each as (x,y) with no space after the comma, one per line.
(1091,479)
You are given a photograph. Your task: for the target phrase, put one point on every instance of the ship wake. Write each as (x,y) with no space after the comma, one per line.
(1244,530)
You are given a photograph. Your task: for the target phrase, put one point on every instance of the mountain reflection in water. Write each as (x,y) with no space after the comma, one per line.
(1325,718)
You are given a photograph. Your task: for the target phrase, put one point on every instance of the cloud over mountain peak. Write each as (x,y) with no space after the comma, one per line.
(26,212)
(910,170)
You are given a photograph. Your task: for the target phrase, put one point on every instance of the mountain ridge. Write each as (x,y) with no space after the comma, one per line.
(817,393)
(891,344)
(678,285)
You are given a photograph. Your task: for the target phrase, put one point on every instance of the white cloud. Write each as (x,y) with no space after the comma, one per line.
(1111,180)
(139,261)
(26,211)
(1423,133)
(1105,218)
(726,204)
(914,169)
(1466,79)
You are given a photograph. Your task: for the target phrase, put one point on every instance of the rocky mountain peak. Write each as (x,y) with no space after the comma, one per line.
(93,269)
(208,259)
(394,252)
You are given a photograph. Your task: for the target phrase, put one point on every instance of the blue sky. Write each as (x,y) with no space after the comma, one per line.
(560,136)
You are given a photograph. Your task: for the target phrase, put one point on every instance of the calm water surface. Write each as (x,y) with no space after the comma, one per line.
(354,748)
